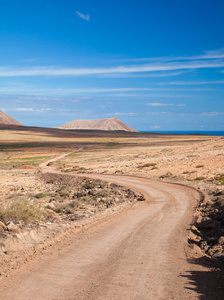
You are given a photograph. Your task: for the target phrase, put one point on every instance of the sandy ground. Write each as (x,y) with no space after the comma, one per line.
(133,252)
(141,249)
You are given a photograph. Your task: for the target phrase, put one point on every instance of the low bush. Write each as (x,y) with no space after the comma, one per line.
(21,210)
(147,165)
(40,195)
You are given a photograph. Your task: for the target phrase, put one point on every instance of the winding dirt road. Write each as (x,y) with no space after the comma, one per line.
(138,253)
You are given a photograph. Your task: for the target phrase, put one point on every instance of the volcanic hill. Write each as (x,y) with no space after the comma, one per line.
(7,120)
(112,124)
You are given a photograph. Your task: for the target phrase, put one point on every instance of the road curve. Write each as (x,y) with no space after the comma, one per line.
(136,254)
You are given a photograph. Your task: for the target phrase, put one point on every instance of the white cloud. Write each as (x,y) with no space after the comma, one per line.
(123,114)
(82,16)
(56,94)
(211,114)
(24,109)
(159,104)
(165,104)
(211,54)
(192,82)
(154,75)
(30,109)
(63,110)
(140,68)
(203,114)
(155,127)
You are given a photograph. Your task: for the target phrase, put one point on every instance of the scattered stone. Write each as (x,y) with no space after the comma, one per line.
(11,227)
(221,240)
(219,255)
(2,227)
(204,246)
(211,251)
(141,198)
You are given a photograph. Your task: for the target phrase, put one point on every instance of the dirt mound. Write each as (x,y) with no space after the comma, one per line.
(112,124)
(7,120)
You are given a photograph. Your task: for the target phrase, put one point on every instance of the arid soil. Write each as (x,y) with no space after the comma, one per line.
(74,209)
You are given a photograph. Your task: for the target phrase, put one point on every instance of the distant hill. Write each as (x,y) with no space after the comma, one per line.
(112,124)
(7,120)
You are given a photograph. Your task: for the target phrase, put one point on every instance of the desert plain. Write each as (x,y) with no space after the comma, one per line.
(62,190)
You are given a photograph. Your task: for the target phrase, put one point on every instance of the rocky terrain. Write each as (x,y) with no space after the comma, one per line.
(35,207)
(51,204)
(112,124)
(200,166)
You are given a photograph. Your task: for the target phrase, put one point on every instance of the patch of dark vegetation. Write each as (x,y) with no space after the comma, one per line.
(197,179)
(73,169)
(189,172)
(167,175)
(220,178)
(40,195)
(148,165)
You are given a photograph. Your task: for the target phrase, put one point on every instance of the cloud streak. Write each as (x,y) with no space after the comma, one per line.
(165,104)
(193,82)
(145,68)
(130,114)
(82,16)
(169,114)
(211,54)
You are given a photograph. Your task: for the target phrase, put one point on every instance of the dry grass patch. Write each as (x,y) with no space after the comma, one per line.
(20,210)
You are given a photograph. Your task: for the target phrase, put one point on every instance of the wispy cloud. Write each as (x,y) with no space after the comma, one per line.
(56,94)
(143,68)
(165,104)
(169,114)
(211,54)
(159,104)
(136,75)
(29,109)
(24,109)
(130,114)
(192,82)
(82,16)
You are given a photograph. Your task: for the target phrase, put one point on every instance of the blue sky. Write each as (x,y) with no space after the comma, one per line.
(156,65)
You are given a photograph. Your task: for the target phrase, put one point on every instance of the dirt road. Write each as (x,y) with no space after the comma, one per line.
(136,254)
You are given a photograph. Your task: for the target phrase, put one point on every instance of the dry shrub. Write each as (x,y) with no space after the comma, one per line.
(147,165)
(20,210)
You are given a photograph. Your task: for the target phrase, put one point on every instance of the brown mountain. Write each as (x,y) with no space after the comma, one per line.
(111,124)
(7,120)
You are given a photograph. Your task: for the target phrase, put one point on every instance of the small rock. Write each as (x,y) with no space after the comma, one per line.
(2,227)
(219,255)
(140,197)
(210,251)
(13,228)
(221,240)
(204,246)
